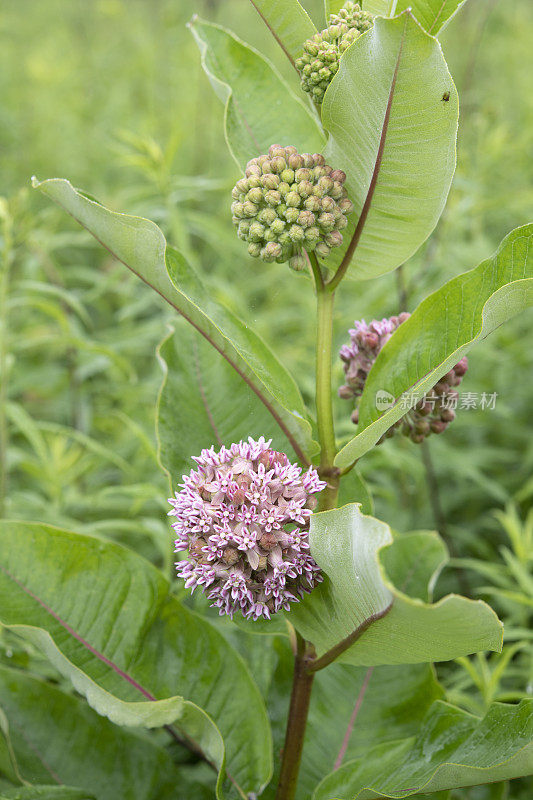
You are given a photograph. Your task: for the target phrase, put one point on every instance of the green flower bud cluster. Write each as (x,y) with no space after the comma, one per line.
(321,54)
(289,202)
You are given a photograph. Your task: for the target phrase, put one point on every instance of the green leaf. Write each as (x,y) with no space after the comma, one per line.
(433,15)
(357,599)
(45,793)
(441,330)
(261,109)
(141,246)
(203,401)
(452,749)
(288,22)
(58,737)
(354,489)
(104,618)
(354,709)
(394,135)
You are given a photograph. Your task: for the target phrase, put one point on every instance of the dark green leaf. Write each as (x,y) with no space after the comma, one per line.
(441,330)
(58,738)
(394,136)
(141,246)
(453,748)
(345,544)
(104,618)
(261,109)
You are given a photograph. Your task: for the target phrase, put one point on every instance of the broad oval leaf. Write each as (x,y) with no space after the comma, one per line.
(261,109)
(103,616)
(203,402)
(58,737)
(452,749)
(440,331)
(358,616)
(433,15)
(140,245)
(288,22)
(392,113)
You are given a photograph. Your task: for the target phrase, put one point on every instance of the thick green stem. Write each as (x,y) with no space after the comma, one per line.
(324,407)
(294,738)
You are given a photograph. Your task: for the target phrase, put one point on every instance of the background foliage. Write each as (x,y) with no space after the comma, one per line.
(111,94)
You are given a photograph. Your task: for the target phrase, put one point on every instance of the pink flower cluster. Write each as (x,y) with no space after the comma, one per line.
(365,343)
(243,515)
(429,414)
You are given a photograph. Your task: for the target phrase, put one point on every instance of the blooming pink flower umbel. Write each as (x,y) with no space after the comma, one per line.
(243,516)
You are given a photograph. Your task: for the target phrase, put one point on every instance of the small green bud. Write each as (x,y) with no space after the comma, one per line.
(296,233)
(326,221)
(249,209)
(334,239)
(313,204)
(291,214)
(287,176)
(273,197)
(256,231)
(322,250)
(237,209)
(269,235)
(278,164)
(305,189)
(284,188)
(312,234)
(271,251)
(267,216)
(255,195)
(341,222)
(337,191)
(270,181)
(345,205)
(254,249)
(277,226)
(293,199)
(298,262)
(276,150)
(295,161)
(306,219)
(244,229)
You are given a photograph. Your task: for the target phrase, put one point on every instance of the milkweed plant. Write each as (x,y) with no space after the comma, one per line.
(290,656)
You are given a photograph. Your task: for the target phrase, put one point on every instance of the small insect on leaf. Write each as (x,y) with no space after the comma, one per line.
(446,97)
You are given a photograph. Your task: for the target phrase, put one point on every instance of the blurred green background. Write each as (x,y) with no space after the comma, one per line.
(111,94)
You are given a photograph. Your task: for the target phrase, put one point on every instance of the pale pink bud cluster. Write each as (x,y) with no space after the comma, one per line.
(431,414)
(243,515)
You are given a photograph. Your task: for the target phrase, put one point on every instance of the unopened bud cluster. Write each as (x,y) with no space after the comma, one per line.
(243,516)
(319,61)
(432,414)
(288,202)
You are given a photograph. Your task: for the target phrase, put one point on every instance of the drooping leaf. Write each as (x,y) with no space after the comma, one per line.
(440,331)
(104,618)
(358,616)
(433,15)
(261,109)
(392,113)
(57,738)
(141,246)
(452,749)
(288,22)
(204,402)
